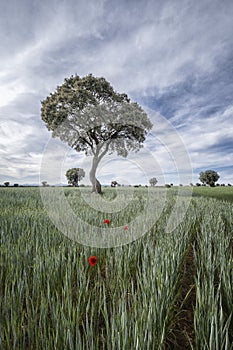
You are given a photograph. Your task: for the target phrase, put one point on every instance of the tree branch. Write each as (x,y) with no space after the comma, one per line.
(82,138)
(105,151)
(93,136)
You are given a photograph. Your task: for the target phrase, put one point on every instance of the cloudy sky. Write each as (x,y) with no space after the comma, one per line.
(175,58)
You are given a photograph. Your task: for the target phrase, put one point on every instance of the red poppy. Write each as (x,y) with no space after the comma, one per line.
(126,227)
(92,260)
(107,222)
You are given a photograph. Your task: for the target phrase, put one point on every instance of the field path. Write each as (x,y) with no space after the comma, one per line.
(183,331)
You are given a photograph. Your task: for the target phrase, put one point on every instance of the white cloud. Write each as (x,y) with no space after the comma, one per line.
(141,48)
(209,141)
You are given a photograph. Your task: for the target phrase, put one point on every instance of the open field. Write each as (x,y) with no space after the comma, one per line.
(166,290)
(220,192)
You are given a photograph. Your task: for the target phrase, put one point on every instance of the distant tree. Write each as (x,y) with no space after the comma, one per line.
(7,183)
(90,116)
(153,181)
(168,186)
(180,185)
(191,184)
(222,184)
(45,184)
(114,183)
(228,184)
(171,185)
(16,185)
(198,184)
(209,177)
(74,175)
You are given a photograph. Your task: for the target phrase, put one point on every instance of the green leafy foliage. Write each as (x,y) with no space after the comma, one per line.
(75,175)
(87,113)
(209,177)
(153,181)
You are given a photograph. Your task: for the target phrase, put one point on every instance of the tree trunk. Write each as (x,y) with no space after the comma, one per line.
(96,186)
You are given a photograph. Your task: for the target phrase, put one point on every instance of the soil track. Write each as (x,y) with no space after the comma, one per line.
(182,336)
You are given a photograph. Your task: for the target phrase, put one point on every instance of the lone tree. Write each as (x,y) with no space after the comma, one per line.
(153,181)
(45,184)
(75,175)
(90,116)
(7,183)
(114,183)
(209,177)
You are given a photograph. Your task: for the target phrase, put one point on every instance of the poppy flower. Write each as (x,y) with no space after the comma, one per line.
(92,260)
(107,222)
(126,227)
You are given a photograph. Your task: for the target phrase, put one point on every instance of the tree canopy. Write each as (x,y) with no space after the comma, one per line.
(90,116)
(74,175)
(209,177)
(153,181)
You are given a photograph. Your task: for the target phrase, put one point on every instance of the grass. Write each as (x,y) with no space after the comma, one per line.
(219,192)
(214,302)
(50,298)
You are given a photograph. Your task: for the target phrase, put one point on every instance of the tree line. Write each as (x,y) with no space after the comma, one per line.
(75,175)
